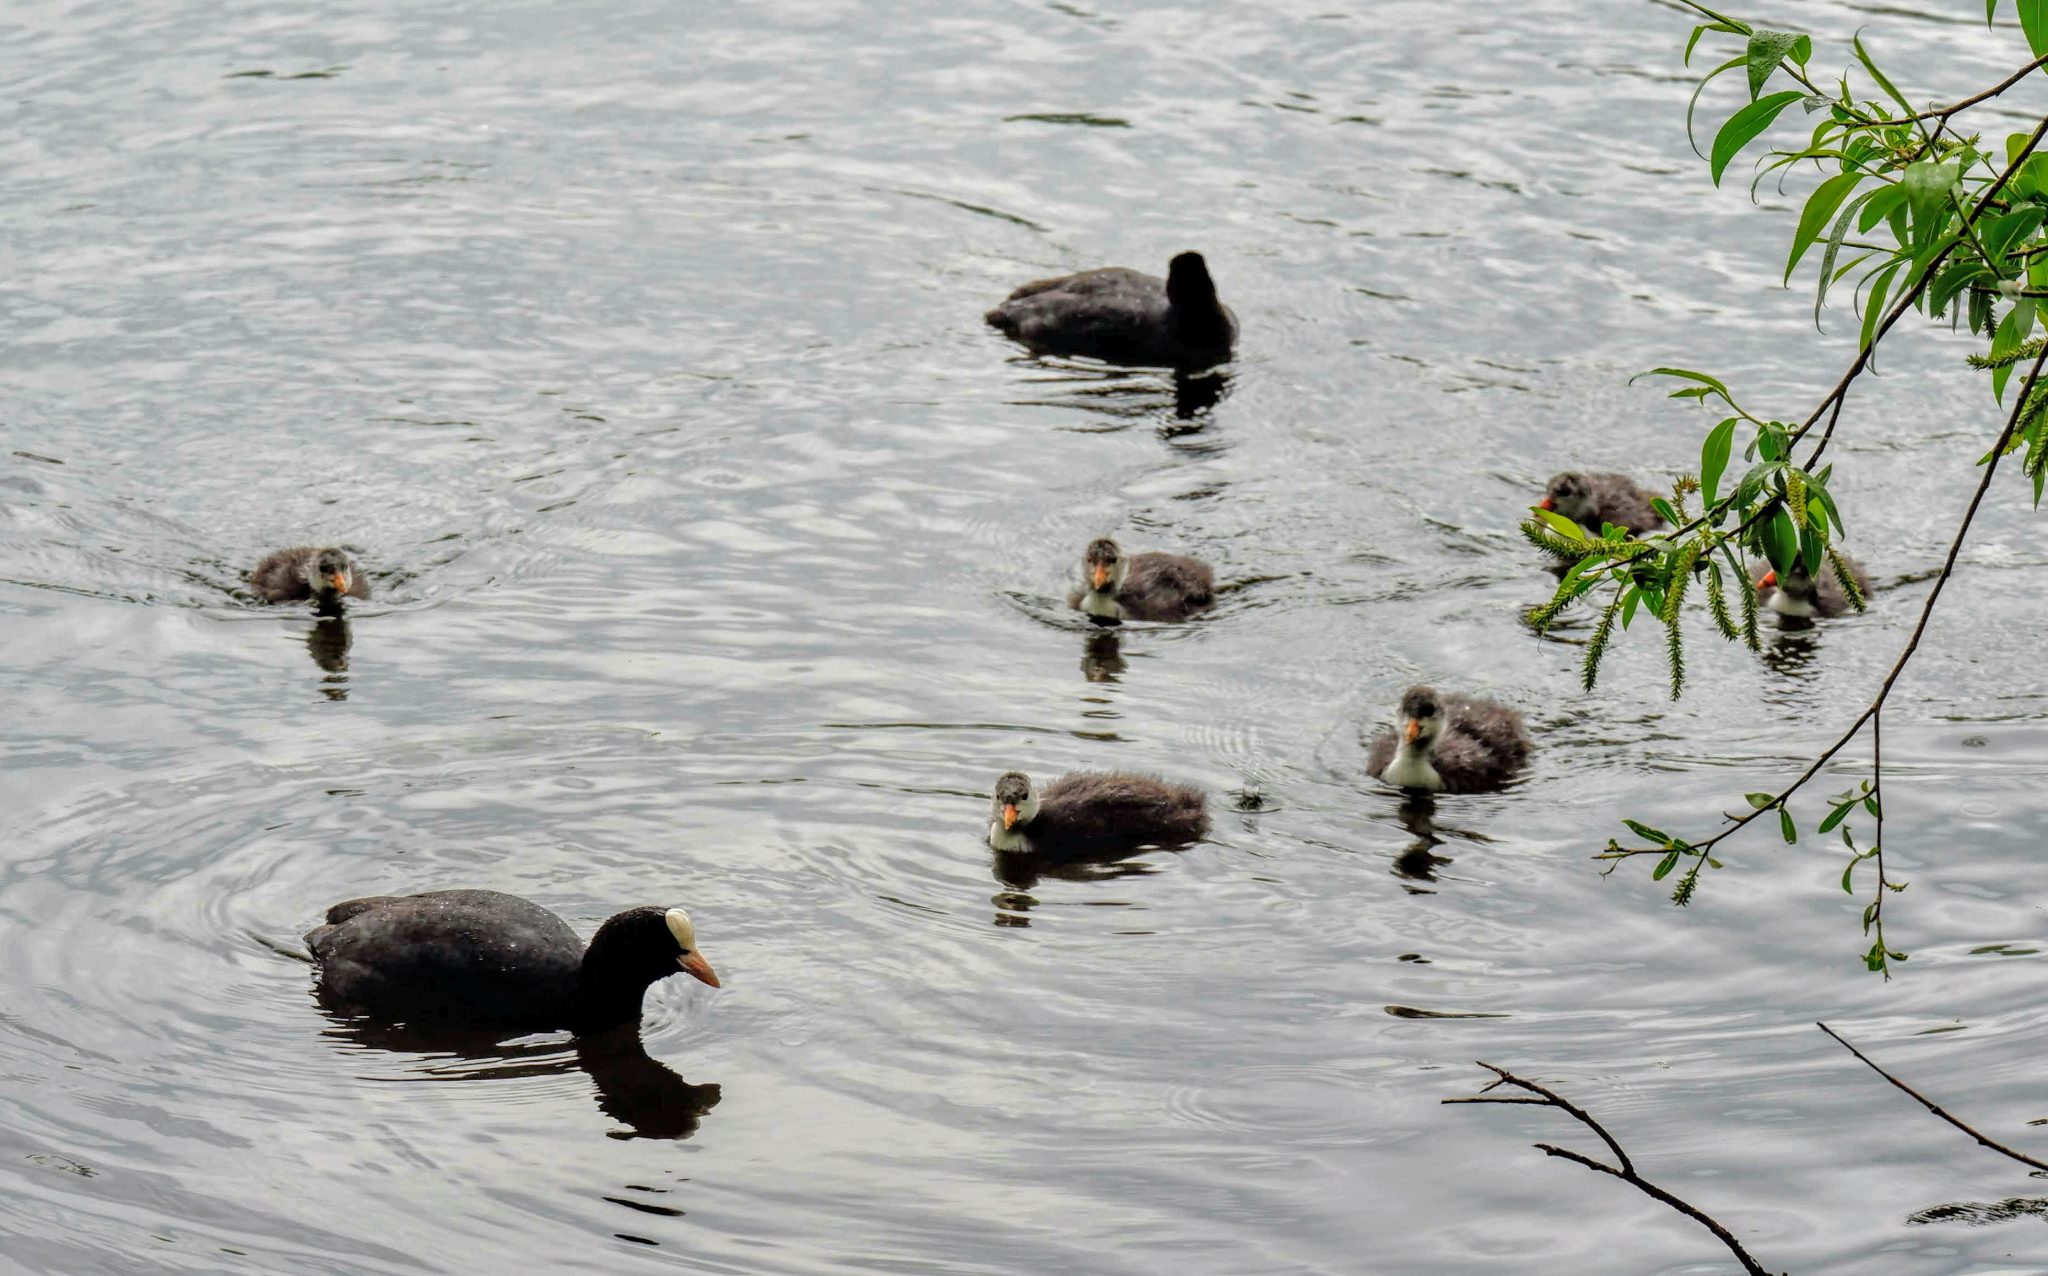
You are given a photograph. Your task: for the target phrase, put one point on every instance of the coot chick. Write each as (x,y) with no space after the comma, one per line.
(485,959)
(1124,316)
(1592,500)
(326,575)
(1094,810)
(1449,744)
(1803,596)
(1118,586)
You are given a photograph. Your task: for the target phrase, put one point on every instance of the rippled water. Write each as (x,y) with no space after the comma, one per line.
(635,348)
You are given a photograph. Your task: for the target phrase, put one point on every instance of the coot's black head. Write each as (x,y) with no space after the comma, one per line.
(641,945)
(1015,800)
(332,572)
(1422,716)
(1566,494)
(1188,282)
(1101,562)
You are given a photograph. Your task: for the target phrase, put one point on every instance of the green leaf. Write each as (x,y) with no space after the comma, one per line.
(1714,459)
(1927,185)
(1629,604)
(1659,836)
(1760,801)
(1780,540)
(1817,498)
(1821,205)
(1665,511)
(1766,50)
(1873,308)
(1685,374)
(1705,80)
(1743,127)
(2001,233)
(1786,826)
(1870,805)
(1560,524)
(1813,547)
(1836,816)
(2034,21)
(1850,871)
(1891,91)
(1664,867)
(1827,259)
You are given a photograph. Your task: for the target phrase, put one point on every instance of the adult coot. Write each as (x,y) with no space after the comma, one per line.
(1118,586)
(1092,810)
(1449,744)
(486,959)
(1124,316)
(326,575)
(1803,596)
(1592,500)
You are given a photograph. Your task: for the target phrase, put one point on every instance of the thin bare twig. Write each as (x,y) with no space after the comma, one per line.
(1931,1105)
(1625,1170)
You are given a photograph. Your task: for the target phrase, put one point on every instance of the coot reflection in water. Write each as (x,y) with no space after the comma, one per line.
(646,1096)
(1102,657)
(1180,402)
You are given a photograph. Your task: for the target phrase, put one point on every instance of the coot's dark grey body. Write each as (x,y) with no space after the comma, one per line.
(1592,500)
(1153,586)
(307,571)
(1124,316)
(1095,810)
(1802,596)
(1472,745)
(485,959)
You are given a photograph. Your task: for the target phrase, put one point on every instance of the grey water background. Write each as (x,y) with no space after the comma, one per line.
(636,349)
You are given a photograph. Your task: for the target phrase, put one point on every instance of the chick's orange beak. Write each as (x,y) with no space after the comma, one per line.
(1412,730)
(699,969)
(339,580)
(1545,504)
(1770,579)
(1099,574)
(1009,815)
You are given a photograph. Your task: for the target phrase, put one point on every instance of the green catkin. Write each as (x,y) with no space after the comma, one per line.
(1596,646)
(1846,578)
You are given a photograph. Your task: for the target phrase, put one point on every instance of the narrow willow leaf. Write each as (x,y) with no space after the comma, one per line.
(1659,836)
(1891,91)
(1927,185)
(1836,816)
(1632,599)
(1813,545)
(1761,801)
(2001,233)
(1786,826)
(1693,104)
(2034,21)
(1818,501)
(1565,527)
(1714,459)
(1766,50)
(1665,511)
(1847,873)
(1664,866)
(1821,205)
(1743,127)
(1685,374)
(1873,309)
(1780,540)
(1827,257)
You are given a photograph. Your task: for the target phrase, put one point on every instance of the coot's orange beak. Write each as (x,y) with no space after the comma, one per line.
(1009,815)
(699,968)
(1099,574)
(339,580)
(1770,579)
(1545,504)
(1413,730)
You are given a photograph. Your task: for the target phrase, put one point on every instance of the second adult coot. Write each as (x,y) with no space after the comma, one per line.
(482,959)
(1124,316)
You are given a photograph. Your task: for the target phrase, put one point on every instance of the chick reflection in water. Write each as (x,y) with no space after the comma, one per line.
(328,642)
(1102,657)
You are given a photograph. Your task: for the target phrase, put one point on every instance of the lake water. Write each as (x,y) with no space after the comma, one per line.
(636,349)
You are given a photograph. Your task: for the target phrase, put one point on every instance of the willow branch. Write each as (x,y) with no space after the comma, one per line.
(1623,1170)
(1931,1105)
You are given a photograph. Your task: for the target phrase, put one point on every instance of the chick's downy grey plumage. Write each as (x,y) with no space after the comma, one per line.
(1124,316)
(1148,586)
(480,958)
(1449,744)
(1592,500)
(1094,810)
(1804,596)
(308,571)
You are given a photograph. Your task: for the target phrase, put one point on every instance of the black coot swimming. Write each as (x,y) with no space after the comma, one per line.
(474,958)
(1124,316)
